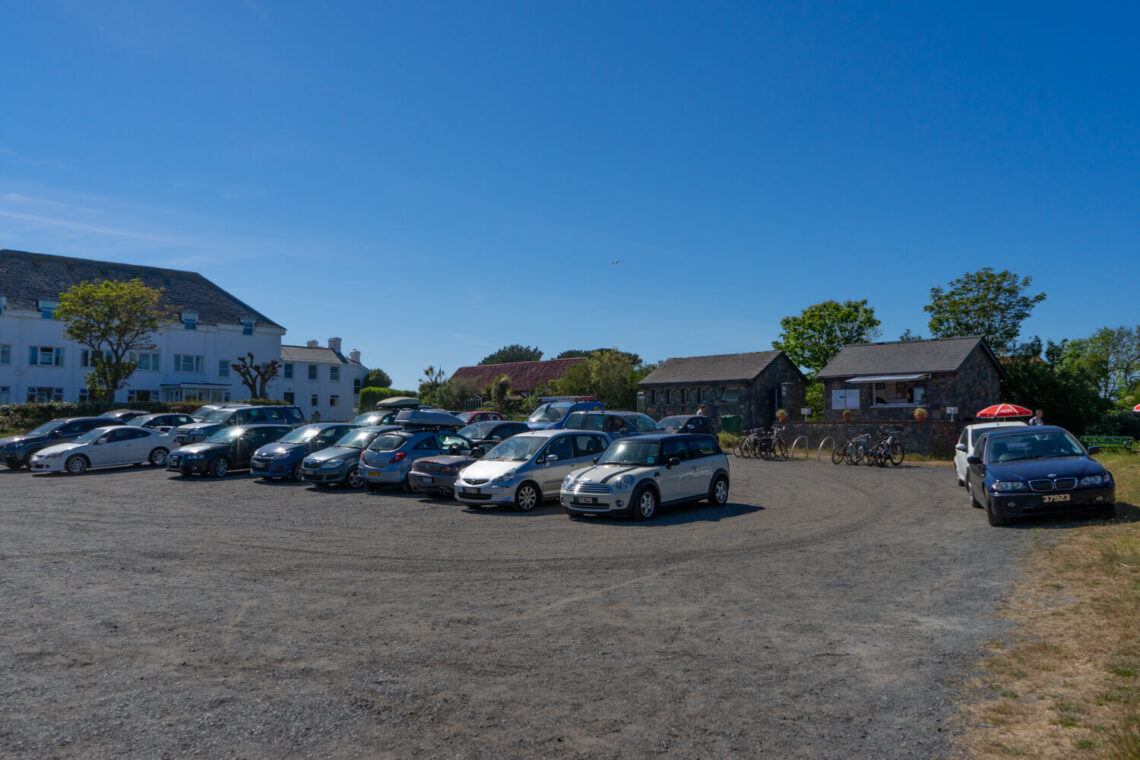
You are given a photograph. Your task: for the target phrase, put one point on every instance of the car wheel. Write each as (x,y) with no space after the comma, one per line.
(295,473)
(76,465)
(218,467)
(406,485)
(13,465)
(718,491)
(527,497)
(973,502)
(993,517)
(353,478)
(157,457)
(644,504)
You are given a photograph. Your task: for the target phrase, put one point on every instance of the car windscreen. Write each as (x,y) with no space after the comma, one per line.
(548,413)
(1037,445)
(388,442)
(357,439)
(301,434)
(368,418)
(219,416)
(91,436)
(631,452)
(45,428)
(226,435)
(517,449)
(673,423)
(478,430)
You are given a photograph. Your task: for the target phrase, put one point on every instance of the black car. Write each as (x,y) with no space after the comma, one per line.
(16,450)
(1023,471)
(687,423)
(228,449)
(490,433)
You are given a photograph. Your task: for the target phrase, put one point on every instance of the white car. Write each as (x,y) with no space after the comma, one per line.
(638,474)
(966,442)
(105,447)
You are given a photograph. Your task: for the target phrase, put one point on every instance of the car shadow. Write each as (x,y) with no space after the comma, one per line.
(681,514)
(508,510)
(201,479)
(101,472)
(1125,513)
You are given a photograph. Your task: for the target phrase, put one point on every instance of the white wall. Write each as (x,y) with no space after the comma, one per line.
(303,389)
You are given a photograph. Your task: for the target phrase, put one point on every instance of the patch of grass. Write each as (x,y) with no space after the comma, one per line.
(1007,694)
(728,441)
(1086,744)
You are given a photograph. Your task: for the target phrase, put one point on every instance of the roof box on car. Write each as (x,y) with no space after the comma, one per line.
(428,418)
(398,402)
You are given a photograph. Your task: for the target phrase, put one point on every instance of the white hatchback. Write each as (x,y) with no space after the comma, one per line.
(105,447)
(966,441)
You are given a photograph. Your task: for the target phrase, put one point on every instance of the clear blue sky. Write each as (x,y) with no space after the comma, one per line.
(431,181)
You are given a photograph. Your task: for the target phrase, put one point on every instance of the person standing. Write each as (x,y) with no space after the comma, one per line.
(1038,418)
(702,411)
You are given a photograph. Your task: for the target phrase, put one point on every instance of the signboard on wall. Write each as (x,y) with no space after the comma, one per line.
(846,399)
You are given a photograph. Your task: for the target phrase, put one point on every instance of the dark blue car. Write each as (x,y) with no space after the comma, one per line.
(282,459)
(1023,471)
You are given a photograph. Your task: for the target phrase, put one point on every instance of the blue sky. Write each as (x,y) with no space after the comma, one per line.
(431,181)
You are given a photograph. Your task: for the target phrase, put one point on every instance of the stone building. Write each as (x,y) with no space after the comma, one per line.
(752,386)
(883,382)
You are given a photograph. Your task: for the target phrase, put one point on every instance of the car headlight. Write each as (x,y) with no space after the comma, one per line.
(624,482)
(195,456)
(52,455)
(568,481)
(506,477)
(1096,480)
(328,465)
(1009,485)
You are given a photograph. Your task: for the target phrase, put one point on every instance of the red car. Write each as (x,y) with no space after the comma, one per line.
(480,416)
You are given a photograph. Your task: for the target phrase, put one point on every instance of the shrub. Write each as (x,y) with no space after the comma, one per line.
(728,441)
(27,416)
(370,395)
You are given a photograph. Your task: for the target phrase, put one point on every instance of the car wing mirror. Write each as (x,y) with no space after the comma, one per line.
(551,457)
(597,458)
(478,452)
(100,441)
(973,460)
(1094,449)
(673,462)
(960,447)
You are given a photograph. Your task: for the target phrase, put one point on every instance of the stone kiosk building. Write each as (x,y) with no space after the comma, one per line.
(886,382)
(752,386)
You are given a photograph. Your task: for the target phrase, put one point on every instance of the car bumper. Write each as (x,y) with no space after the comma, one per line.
(47,465)
(594,504)
(270,468)
(433,482)
(485,494)
(1027,504)
(185,466)
(12,459)
(391,474)
(332,475)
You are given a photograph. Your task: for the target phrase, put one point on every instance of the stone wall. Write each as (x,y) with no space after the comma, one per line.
(930,437)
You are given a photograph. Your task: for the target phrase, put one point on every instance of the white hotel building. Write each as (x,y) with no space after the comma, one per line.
(192,357)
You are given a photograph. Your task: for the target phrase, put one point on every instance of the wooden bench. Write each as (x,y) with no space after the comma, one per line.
(1108,441)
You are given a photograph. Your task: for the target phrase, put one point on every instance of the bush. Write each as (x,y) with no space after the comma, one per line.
(28,416)
(268,402)
(728,441)
(369,396)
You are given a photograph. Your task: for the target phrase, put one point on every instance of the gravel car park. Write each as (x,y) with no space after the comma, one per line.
(822,612)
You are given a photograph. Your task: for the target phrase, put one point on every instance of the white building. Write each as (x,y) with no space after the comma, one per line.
(192,357)
(320,380)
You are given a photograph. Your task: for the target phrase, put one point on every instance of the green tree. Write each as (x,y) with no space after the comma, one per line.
(500,394)
(1038,380)
(377,378)
(1109,359)
(908,336)
(608,374)
(989,303)
(255,375)
(821,331)
(513,353)
(433,380)
(576,353)
(112,320)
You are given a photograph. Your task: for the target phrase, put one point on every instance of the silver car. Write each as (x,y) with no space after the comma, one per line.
(528,468)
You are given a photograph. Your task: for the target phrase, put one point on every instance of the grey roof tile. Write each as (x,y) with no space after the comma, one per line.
(711,369)
(312,355)
(938,355)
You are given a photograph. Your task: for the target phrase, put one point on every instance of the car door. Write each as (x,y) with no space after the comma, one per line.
(559,459)
(976,473)
(672,478)
(115,449)
(700,464)
(960,456)
(134,446)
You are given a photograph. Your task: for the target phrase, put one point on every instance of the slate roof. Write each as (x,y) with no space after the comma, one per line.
(526,377)
(310,355)
(28,277)
(719,368)
(936,356)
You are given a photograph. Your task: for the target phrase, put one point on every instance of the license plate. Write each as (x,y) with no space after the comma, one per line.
(1055,497)
(426,479)
(585,499)
(370,475)
(469,491)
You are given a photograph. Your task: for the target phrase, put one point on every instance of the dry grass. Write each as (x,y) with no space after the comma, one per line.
(1067,683)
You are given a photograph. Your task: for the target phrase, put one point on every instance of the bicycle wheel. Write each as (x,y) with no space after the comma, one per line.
(738,449)
(898,453)
(781,449)
(858,452)
(837,454)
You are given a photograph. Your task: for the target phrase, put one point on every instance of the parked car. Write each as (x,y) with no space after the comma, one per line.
(164,422)
(527,468)
(389,458)
(123,415)
(282,458)
(387,416)
(204,411)
(552,413)
(615,424)
(16,450)
(687,423)
(478,416)
(341,463)
(109,446)
(230,448)
(969,439)
(490,433)
(1018,472)
(639,475)
(231,416)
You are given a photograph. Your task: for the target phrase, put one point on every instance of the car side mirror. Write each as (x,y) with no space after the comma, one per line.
(597,458)
(478,452)
(551,457)
(674,461)
(973,460)
(961,447)
(1094,449)
(100,441)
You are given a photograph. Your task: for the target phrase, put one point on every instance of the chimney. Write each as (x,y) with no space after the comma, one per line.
(313,343)
(334,344)
(354,355)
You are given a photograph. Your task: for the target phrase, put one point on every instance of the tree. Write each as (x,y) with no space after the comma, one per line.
(993,304)
(500,392)
(256,376)
(1109,359)
(513,353)
(377,378)
(576,353)
(821,331)
(433,379)
(112,320)
(1042,382)
(909,336)
(608,374)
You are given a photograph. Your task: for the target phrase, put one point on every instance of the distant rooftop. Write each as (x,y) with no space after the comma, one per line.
(717,368)
(937,355)
(526,377)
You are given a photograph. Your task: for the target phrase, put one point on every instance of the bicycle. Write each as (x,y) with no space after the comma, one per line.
(888,448)
(773,444)
(851,452)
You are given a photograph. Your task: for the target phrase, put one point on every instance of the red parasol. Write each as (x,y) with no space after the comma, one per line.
(1136,408)
(1001,411)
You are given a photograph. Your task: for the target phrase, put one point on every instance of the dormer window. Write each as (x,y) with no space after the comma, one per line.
(247,324)
(190,320)
(47,308)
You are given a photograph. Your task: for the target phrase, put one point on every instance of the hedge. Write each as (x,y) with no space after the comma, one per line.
(28,416)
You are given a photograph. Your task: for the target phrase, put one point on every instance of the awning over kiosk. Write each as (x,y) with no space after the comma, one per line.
(889,378)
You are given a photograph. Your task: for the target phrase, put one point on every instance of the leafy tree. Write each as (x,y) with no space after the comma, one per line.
(993,304)
(255,376)
(433,379)
(576,353)
(377,378)
(608,374)
(1042,382)
(1109,359)
(500,394)
(513,353)
(821,331)
(908,336)
(112,319)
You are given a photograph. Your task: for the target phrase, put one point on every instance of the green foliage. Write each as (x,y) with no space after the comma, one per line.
(267,402)
(908,336)
(1109,359)
(608,374)
(993,304)
(24,417)
(575,353)
(452,394)
(366,402)
(821,331)
(433,379)
(111,319)
(500,394)
(513,353)
(1044,383)
(813,397)
(728,441)
(377,378)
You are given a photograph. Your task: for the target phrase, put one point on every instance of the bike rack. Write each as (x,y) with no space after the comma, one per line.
(819,452)
(792,450)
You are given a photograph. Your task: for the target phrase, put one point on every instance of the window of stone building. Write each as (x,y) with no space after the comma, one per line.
(898,393)
(731,395)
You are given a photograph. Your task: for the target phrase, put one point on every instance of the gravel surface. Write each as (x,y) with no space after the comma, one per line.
(826,612)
